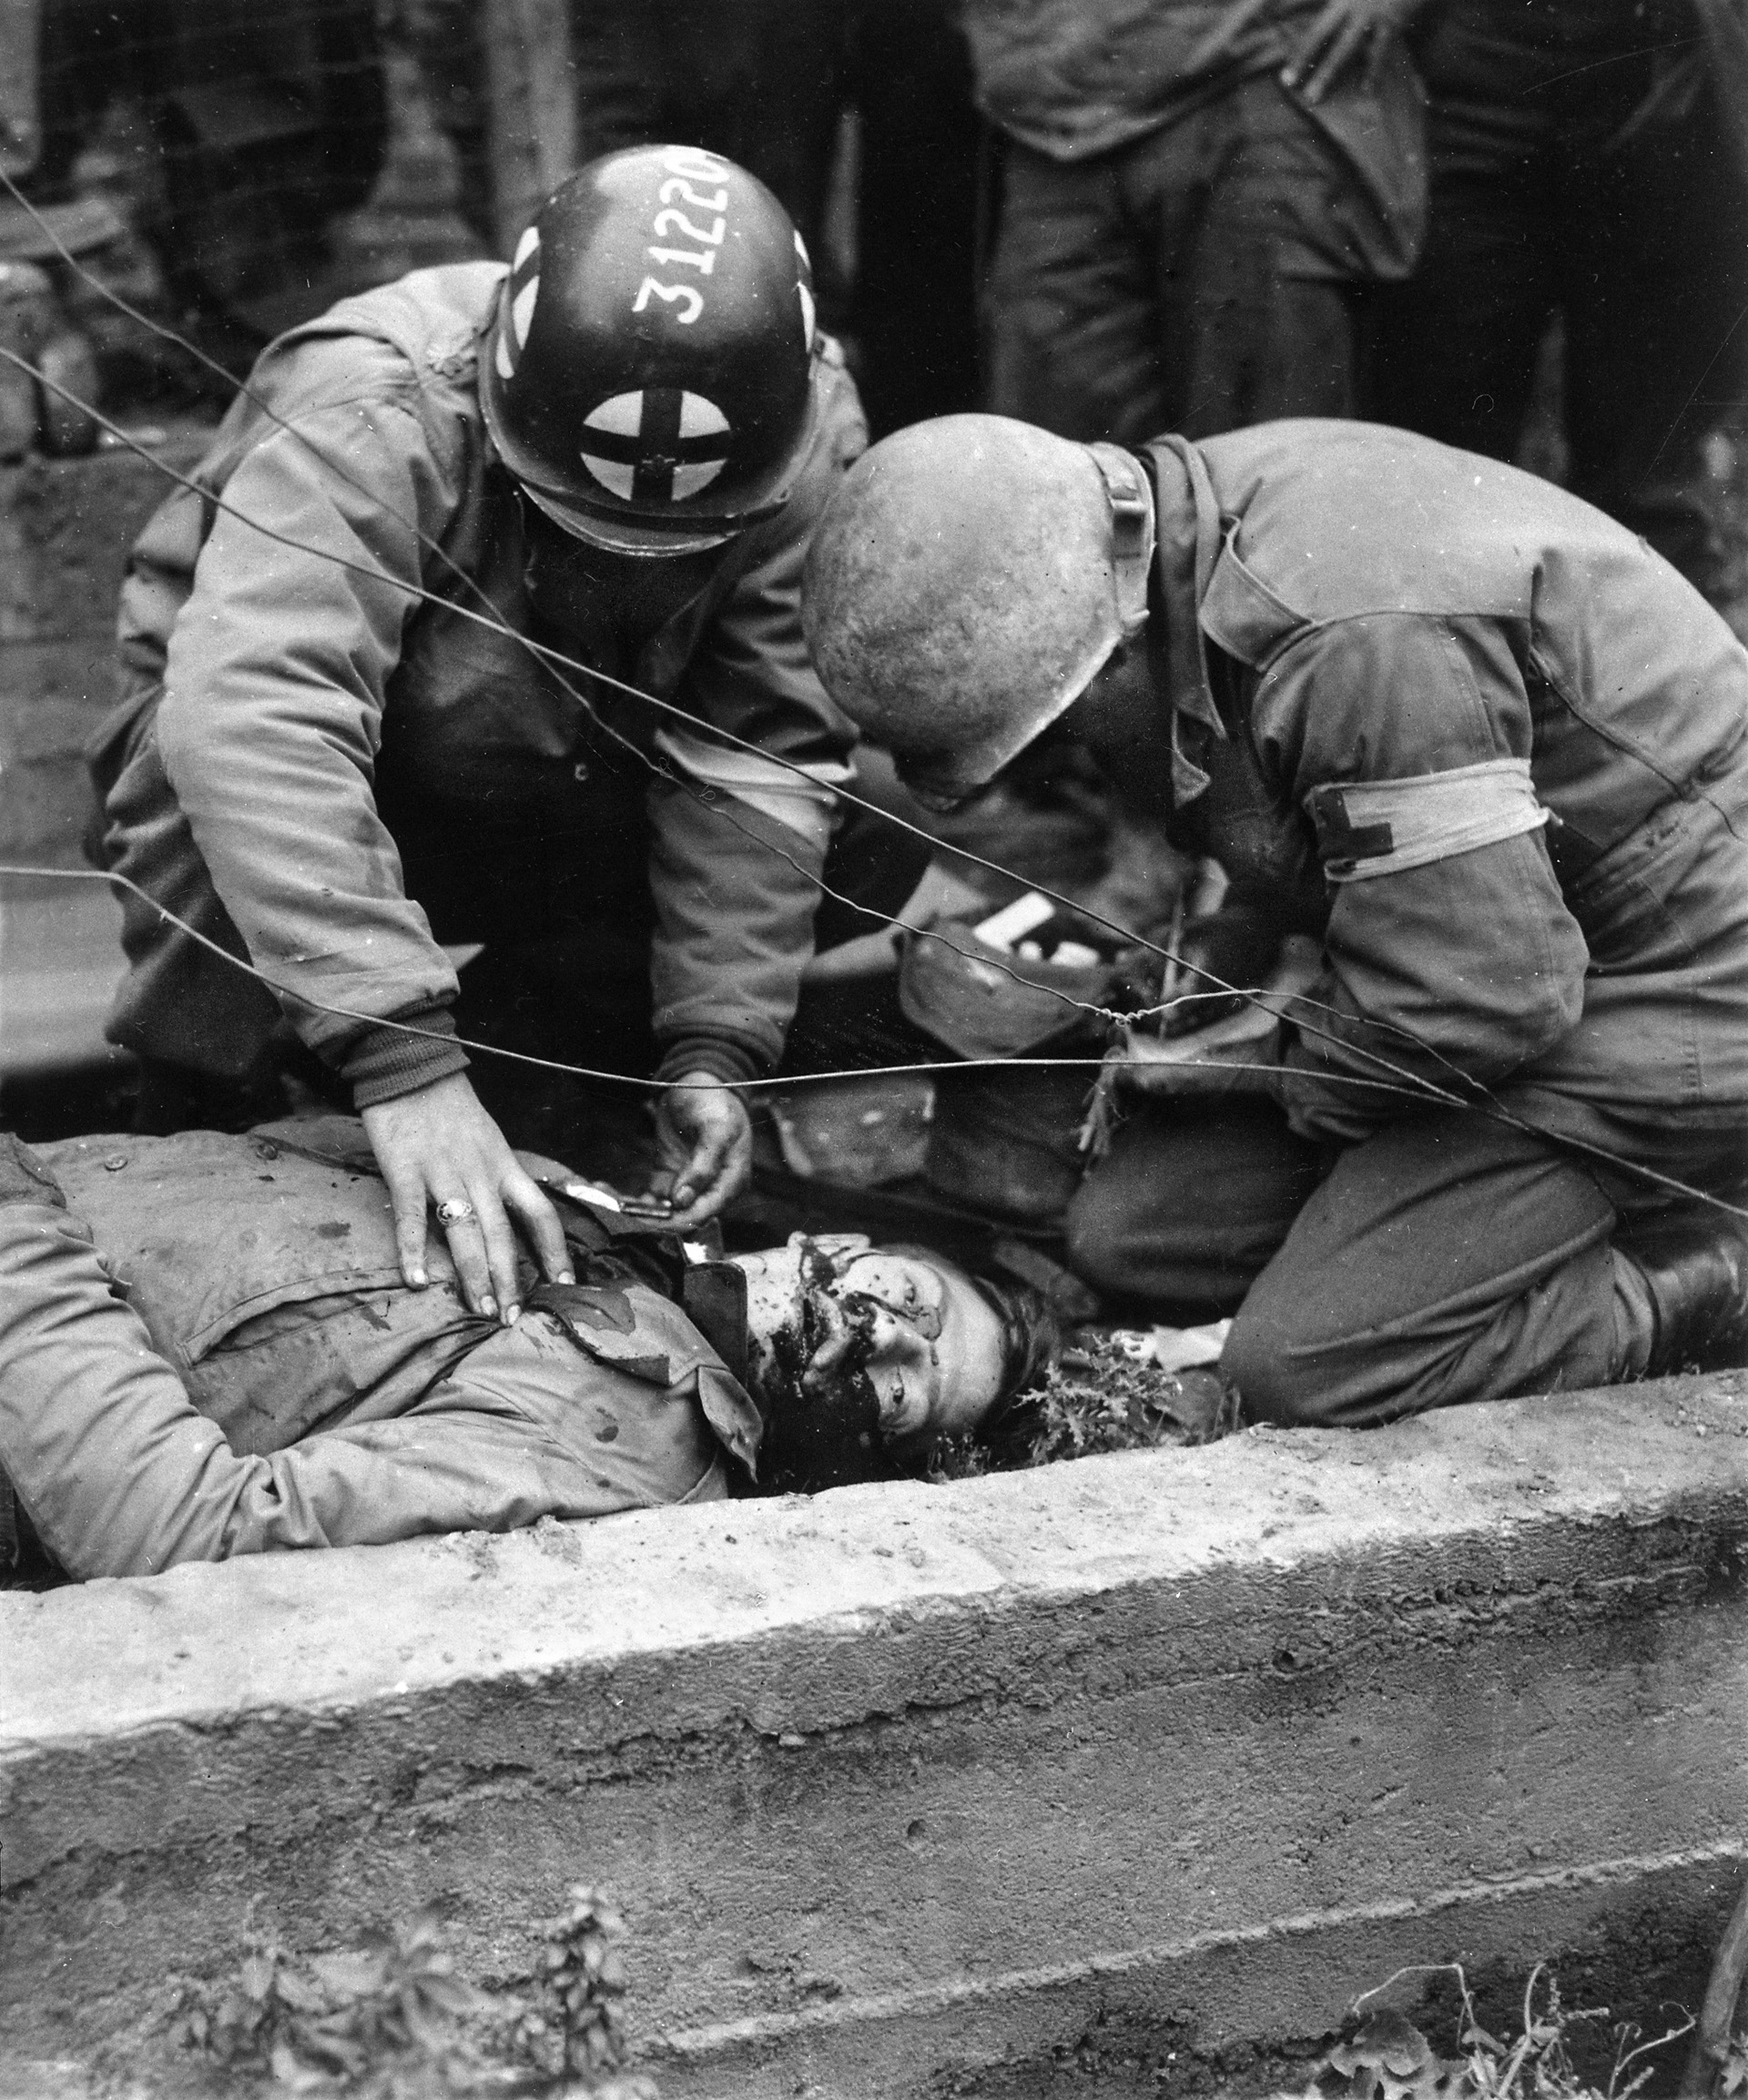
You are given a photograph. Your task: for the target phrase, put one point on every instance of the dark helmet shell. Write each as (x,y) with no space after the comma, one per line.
(647,377)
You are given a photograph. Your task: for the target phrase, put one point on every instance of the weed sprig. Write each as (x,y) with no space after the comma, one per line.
(1385,2056)
(394,2021)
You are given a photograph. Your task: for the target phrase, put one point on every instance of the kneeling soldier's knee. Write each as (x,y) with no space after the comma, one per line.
(1259,1359)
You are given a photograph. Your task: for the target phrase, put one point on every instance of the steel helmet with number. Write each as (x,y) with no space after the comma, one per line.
(647,375)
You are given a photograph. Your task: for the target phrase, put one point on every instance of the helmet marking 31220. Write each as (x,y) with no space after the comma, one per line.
(695,162)
(654,397)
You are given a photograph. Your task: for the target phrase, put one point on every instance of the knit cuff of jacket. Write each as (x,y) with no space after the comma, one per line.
(382,1063)
(721,1056)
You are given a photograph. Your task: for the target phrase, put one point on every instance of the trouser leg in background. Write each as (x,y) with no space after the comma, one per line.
(1550,190)
(1453,1257)
(1456,348)
(913,309)
(1072,327)
(1654,287)
(1190,1204)
(1176,283)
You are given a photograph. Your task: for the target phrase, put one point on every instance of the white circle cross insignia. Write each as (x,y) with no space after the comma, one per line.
(657,444)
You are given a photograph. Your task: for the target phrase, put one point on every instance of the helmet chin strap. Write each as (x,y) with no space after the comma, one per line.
(1133,529)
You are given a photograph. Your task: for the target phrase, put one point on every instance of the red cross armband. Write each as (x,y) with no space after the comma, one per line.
(1371,828)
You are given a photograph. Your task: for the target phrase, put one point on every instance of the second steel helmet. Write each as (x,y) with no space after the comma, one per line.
(647,375)
(970,578)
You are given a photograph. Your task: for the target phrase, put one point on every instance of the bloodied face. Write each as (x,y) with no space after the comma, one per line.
(882,1346)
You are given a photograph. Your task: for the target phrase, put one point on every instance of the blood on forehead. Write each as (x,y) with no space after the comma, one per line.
(903,1284)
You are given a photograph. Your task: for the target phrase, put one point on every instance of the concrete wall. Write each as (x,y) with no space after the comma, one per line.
(1144,1763)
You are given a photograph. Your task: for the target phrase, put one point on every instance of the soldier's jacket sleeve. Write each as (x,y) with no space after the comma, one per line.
(1451,955)
(120,1475)
(735,874)
(273,700)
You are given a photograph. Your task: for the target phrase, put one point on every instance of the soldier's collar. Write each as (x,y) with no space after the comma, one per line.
(1187,533)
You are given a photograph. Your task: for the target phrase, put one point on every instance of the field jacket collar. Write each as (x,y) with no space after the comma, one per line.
(1188,543)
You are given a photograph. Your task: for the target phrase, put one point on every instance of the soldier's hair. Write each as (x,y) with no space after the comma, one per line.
(1031,1337)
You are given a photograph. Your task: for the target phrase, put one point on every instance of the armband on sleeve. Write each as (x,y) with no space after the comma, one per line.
(1371,828)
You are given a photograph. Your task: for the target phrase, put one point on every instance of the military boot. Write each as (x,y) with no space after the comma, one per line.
(1696,1268)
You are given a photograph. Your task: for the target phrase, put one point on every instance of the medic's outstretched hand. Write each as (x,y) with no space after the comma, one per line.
(440,1151)
(706,1137)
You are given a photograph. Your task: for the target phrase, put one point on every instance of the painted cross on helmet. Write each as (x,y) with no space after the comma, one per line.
(657,444)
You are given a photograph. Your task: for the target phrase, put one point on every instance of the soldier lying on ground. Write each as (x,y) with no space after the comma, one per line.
(207,1348)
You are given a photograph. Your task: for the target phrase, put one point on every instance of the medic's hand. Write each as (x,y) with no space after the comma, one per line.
(438,1146)
(706,1140)
(1236,946)
(1345,31)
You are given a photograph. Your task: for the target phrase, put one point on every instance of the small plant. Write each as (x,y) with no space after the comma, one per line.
(1096,1397)
(380,2020)
(578,2027)
(1385,2056)
(394,2021)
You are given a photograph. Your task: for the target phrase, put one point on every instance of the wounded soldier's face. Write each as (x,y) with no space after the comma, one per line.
(901,1342)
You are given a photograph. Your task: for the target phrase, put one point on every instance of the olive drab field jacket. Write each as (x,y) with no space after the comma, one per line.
(1488,747)
(210,1351)
(274,686)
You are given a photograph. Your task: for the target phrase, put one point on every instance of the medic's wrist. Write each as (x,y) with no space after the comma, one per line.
(382,1063)
(721,1056)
